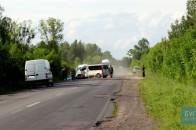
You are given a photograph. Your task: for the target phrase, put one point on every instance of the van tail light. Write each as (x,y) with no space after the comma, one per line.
(46,75)
(25,77)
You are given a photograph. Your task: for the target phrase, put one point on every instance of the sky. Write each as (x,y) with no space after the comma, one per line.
(114,25)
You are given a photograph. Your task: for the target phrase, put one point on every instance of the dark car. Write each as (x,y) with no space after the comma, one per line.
(107,70)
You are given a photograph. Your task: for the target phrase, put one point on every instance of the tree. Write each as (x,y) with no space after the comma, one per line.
(178,28)
(77,61)
(140,49)
(107,55)
(51,31)
(5,28)
(77,49)
(73,51)
(64,51)
(191,12)
(143,45)
(92,50)
(4,64)
(81,50)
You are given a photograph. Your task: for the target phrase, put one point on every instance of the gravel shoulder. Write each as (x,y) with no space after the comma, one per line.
(131,110)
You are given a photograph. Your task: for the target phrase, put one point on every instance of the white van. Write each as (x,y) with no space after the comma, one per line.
(95,70)
(38,71)
(81,71)
(106,61)
(107,68)
(136,69)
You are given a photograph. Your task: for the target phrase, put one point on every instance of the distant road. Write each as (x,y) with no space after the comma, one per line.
(66,106)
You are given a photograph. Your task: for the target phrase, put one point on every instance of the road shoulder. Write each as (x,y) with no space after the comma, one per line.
(131,110)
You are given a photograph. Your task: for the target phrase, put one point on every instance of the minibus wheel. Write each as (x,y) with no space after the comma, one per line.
(98,75)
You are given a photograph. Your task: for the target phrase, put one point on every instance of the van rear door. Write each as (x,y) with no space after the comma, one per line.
(106,70)
(40,66)
(30,71)
(40,71)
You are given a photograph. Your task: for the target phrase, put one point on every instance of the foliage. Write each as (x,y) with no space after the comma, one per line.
(16,48)
(51,31)
(107,55)
(191,13)
(77,62)
(140,49)
(164,99)
(173,57)
(170,82)
(10,67)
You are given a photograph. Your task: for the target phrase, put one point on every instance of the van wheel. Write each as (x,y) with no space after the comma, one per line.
(28,85)
(82,76)
(98,75)
(52,84)
(48,84)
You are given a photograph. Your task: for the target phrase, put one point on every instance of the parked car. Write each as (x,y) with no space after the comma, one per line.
(107,68)
(136,69)
(38,72)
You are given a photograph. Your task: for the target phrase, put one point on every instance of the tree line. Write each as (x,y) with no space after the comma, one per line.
(16,47)
(175,56)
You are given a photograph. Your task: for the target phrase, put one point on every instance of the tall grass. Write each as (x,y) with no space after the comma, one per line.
(164,99)
(115,111)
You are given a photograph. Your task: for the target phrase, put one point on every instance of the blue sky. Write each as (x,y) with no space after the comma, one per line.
(114,25)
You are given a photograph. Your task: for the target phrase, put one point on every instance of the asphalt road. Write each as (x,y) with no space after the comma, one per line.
(66,106)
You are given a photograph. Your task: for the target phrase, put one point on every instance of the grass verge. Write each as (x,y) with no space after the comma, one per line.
(115,111)
(164,99)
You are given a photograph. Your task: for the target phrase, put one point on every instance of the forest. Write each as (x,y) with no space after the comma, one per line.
(16,47)
(175,56)
(169,86)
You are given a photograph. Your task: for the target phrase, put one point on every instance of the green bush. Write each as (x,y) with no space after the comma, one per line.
(164,99)
(175,59)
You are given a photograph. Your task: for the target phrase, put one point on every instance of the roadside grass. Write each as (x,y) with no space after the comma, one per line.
(5,90)
(164,99)
(115,111)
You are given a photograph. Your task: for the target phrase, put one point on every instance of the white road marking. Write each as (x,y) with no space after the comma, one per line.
(33,104)
(59,94)
(51,97)
(17,111)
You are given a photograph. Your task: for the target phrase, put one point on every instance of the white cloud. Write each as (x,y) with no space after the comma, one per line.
(100,43)
(122,44)
(109,26)
(71,27)
(113,25)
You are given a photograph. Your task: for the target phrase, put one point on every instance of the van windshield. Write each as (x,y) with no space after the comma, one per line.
(83,68)
(105,66)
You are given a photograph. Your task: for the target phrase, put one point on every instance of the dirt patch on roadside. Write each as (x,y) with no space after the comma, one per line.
(131,114)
